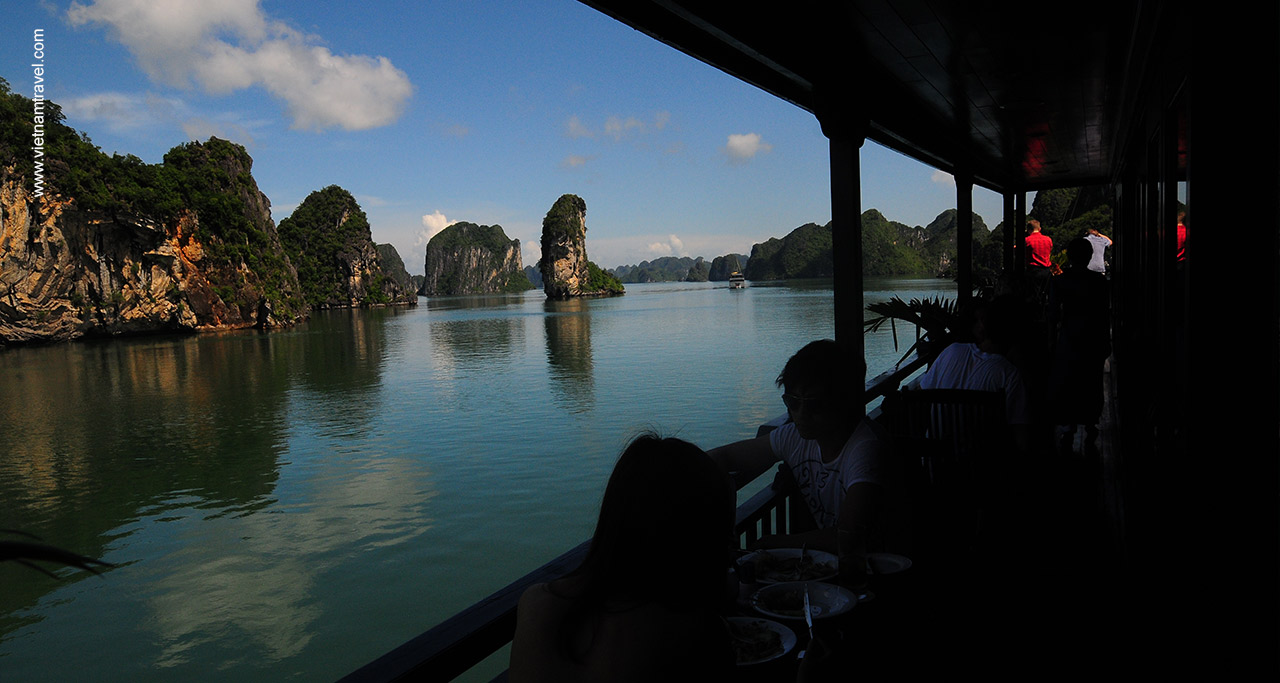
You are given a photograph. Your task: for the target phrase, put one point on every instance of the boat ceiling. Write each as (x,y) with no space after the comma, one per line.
(1023,96)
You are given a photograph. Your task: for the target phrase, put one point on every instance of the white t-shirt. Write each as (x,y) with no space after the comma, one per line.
(823,485)
(965,366)
(1098,263)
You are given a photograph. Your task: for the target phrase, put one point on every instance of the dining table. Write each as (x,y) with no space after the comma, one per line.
(879,635)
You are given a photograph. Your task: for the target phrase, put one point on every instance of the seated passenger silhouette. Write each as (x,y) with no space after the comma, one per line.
(981,365)
(644,604)
(838,460)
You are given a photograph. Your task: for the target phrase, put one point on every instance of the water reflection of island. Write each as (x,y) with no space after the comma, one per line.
(568,326)
(103,441)
(474,331)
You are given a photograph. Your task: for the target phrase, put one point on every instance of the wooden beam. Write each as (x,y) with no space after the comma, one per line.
(964,238)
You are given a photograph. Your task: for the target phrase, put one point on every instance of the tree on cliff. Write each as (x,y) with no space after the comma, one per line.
(566,271)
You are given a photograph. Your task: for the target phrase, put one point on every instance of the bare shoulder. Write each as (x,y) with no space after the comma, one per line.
(535,595)
(540,598)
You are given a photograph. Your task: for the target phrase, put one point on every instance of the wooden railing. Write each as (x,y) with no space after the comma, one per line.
(467,638)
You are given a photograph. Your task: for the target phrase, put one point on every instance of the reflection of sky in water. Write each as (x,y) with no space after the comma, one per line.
(292,505)
(255,575)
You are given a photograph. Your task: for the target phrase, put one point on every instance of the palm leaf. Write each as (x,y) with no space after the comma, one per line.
(937,316)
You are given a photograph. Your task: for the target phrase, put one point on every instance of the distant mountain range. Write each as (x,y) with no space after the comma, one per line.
(888,247)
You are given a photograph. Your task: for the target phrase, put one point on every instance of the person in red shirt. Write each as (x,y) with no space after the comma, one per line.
(1039,265)
(1182,236)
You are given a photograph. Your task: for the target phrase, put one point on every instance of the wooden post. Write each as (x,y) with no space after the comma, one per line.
(846,130)
(1019,232)
(1010,221)
(964,238)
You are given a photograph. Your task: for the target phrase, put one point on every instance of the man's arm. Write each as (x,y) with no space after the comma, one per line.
(744,460)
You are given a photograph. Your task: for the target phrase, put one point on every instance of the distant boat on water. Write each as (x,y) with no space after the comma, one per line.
(736,281)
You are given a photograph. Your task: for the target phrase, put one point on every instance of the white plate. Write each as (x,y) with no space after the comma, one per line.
(786,635)
(786,600)
(888,563)
(784,556)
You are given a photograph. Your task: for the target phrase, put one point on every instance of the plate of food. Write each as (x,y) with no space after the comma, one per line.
(792,564)
(786,600)
(758,640)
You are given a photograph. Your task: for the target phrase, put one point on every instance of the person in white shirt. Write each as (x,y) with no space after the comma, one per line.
(981,365)
(839,462)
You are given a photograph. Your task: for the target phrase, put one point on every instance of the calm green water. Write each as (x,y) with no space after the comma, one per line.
(291,505)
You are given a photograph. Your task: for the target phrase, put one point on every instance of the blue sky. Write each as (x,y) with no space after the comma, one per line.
(479,111)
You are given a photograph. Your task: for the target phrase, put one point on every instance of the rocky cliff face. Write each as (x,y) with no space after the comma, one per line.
(66,272)
(329,239)
(394,268)
(466,258)
(566,272)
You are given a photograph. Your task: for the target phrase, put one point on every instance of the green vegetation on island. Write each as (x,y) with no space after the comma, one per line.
(803,253)
(393,266)
(600,281)
(329,240)
(209,182)
(724,266)
(466,258)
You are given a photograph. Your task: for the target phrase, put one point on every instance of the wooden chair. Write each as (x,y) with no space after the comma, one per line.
(955,446)
(959,434)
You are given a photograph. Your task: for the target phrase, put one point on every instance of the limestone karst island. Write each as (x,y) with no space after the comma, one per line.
(111,245)
(566,272)
(466,258)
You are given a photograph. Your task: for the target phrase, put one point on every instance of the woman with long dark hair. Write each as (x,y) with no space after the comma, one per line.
(644,604)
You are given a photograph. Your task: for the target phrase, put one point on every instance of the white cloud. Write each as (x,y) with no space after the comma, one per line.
(200,129)
(232,45)
(575,160)
(673,246)
(123,111)
(432,223)
(943,178)
(743,148)
(145,112)
(618,128)
(574,128)
(531,251)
